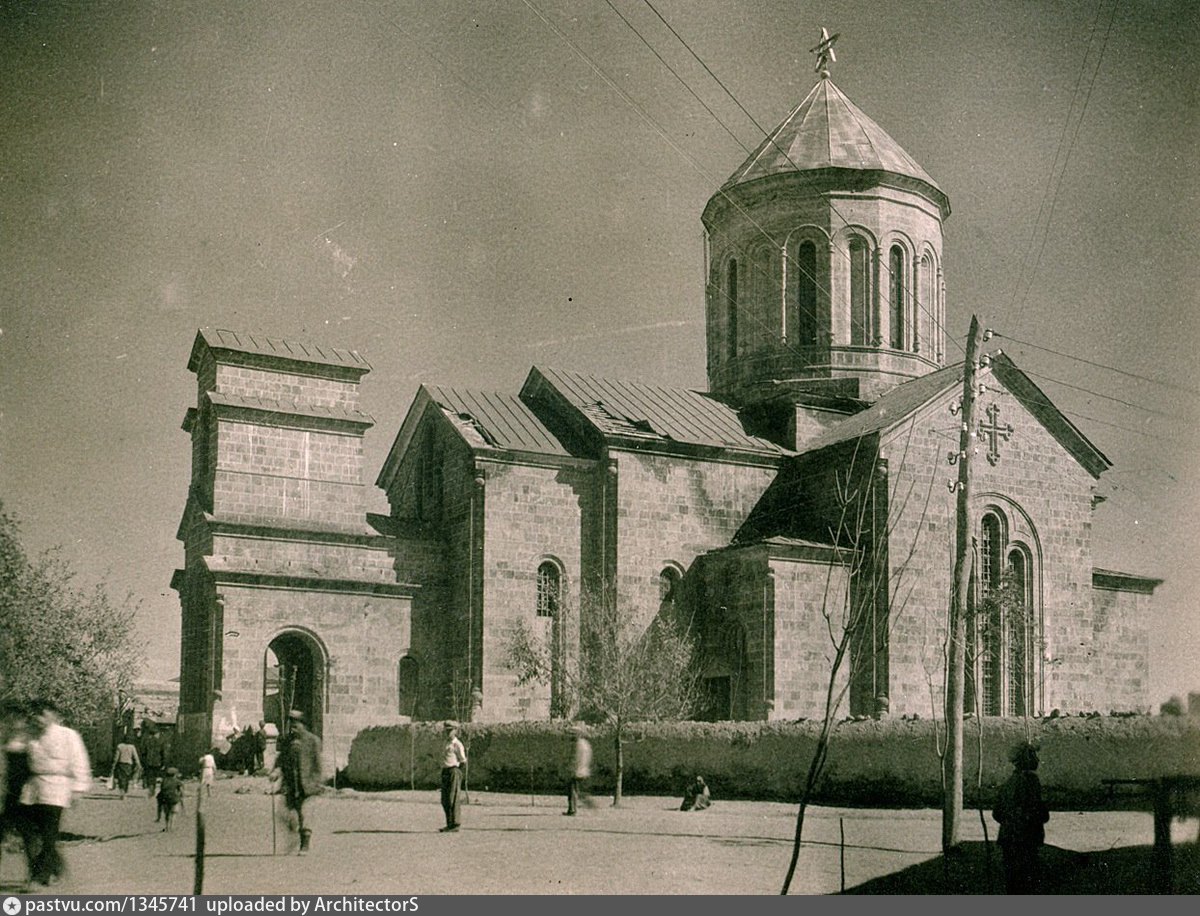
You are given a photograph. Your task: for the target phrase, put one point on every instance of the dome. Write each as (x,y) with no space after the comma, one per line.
(828,131)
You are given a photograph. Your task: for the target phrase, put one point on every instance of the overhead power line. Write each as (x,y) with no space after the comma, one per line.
(1127,374)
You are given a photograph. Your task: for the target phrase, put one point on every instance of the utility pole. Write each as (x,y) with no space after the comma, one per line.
(952,764)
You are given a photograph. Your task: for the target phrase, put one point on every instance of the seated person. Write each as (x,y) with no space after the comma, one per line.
(695,796)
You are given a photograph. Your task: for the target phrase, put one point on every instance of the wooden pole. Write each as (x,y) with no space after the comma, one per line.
(198,878)
(952,764)
(842,850)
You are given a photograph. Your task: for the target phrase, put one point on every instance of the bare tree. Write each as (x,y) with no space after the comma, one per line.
(853,617)
(625,673)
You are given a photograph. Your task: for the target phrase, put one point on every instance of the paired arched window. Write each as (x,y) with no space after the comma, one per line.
(1003,631)
(896,281)
(731,309)
(860,296)
(804,322)
(549,590)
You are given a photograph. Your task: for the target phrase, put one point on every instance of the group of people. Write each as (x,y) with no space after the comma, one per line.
(46,767)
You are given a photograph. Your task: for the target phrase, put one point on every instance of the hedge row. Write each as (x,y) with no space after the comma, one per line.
(891,763)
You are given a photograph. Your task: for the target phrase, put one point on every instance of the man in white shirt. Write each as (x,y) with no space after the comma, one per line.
(454,761)
(58,770)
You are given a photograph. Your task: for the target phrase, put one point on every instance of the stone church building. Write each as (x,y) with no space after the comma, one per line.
(806,488)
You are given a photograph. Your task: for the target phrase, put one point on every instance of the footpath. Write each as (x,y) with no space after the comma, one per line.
(388,843)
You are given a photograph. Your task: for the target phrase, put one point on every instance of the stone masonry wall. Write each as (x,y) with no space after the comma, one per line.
(1121,651)
(363,637)
(804,592)
(670,510)
(532,514)
(1045,497)
(306,388)
(275,472)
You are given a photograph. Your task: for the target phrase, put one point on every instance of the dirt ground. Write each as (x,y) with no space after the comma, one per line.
(388,843)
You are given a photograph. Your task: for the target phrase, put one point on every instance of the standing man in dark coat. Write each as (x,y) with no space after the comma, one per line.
(454,762)
(298,771)
(1022,816)
(154,755)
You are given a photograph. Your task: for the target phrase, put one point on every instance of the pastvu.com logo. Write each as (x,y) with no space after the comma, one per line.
(12,906)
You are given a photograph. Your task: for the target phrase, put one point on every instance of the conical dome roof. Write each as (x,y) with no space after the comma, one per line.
(825,131)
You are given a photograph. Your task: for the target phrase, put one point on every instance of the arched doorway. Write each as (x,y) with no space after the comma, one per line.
(294,667)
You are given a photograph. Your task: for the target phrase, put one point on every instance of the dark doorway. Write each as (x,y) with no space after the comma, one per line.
(294,678)
(717,699)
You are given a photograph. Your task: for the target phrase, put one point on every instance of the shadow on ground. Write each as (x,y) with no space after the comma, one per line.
(977,869)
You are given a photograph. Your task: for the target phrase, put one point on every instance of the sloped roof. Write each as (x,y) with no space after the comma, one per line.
(635,410)
(905,399)
(891,408)
(829,131)
(495,419)
(277,347)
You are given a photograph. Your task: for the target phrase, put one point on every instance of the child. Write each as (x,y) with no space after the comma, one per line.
(170,796)
(208,771)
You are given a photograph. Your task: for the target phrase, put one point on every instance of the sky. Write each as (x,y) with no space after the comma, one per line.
(462,190)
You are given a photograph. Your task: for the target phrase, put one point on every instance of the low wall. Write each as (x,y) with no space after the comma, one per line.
(890,763)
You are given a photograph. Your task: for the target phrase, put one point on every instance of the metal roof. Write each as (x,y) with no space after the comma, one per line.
(495,419)
(891,408)
(827,130)
(619,407)
(265,345)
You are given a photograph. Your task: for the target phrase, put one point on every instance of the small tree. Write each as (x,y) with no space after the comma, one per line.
(72,645)
(852,617)
(625,673)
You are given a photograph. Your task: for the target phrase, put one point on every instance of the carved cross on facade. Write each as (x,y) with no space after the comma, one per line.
(994,432)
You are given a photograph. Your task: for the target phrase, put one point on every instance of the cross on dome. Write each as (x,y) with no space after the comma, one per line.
(824,51)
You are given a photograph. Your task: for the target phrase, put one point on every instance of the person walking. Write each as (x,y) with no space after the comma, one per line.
(170,797)
(298,775)
(260,744)
(1022,816)
(126,762)
(208,771)
(581,772)
(58,770)
(14,769)
(454,763)
(154,755)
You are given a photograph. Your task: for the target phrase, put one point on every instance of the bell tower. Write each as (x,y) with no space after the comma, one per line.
(824,259)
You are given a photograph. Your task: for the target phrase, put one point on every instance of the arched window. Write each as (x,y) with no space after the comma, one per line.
(668,589)
(731,310)
(549,590)
(1018,627)
(765,303)
(896,297)
(927,308)
(859,292)
(988,620)
(408,677)
(804,322)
